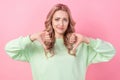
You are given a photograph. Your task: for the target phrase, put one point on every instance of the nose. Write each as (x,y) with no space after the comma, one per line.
(61,23)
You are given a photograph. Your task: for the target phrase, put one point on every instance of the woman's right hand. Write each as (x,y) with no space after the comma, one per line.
(42,37)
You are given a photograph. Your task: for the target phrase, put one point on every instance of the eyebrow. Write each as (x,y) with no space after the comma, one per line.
(60,18)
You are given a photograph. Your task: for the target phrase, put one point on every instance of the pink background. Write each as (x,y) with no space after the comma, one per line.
(94,18)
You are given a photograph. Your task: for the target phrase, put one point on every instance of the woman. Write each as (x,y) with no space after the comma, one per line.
(58,53)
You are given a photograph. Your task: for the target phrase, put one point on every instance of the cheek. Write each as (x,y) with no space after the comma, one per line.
(66,25)
(66,28)
(53,27)
(54,24)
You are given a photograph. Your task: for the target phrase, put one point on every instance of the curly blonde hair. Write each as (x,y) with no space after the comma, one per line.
(49,28)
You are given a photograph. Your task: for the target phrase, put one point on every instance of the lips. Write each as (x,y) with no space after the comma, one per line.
(61,28)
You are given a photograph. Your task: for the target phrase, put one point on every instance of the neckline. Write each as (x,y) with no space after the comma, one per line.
(59,39)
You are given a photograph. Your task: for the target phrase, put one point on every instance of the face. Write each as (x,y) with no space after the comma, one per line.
(60,22)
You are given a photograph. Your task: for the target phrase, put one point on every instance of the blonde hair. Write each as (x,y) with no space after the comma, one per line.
(49,28)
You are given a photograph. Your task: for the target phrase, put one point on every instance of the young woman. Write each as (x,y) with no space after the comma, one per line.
(58,53)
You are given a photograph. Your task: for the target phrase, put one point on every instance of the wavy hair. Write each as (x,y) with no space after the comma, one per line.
(49,28)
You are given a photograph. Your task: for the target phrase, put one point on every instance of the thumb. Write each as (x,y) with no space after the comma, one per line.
(77,42)
(41,38)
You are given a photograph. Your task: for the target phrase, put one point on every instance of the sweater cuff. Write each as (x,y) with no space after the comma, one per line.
(24,41)
(28,40)
(94,43)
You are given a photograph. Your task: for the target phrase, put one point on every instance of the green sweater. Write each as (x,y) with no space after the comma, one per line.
(62,66)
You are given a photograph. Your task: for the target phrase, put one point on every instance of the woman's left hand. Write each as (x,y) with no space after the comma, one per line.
(76,39)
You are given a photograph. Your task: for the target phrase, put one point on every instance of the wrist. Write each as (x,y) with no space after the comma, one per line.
(86,39)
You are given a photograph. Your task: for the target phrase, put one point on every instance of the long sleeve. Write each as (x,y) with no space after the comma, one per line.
(19,48)
(99,51)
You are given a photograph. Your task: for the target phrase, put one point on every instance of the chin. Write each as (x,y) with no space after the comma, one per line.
(60,32)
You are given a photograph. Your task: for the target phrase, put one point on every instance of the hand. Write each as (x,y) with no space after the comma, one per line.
(76,39)
(42,37)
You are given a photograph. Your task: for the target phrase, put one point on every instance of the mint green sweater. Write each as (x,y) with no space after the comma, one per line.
(62,66)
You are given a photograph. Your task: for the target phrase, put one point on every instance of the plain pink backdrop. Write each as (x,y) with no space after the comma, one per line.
(94,18)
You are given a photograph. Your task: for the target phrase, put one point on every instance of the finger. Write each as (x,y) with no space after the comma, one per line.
(47,33)
(42,34)
(72,39)
(48,40)
(73,34)
(76,44)
(47,36)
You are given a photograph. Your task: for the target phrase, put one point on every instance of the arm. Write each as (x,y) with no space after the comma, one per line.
(99,51)
(96,50)
(19,48)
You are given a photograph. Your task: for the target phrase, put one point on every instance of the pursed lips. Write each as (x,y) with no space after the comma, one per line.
(61,28)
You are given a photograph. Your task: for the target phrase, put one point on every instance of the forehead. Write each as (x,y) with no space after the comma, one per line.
(60,13)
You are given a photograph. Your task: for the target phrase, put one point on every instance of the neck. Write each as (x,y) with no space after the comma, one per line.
(58,35)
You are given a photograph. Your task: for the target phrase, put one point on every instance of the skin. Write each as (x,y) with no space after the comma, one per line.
(60,22)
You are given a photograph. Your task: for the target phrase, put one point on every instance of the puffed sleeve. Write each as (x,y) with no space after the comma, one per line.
(99,51)
(19,48)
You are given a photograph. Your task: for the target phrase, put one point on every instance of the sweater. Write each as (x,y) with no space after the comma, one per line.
(61,66)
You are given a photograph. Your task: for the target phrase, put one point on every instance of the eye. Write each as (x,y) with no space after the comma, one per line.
(65,19)
(56,19)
